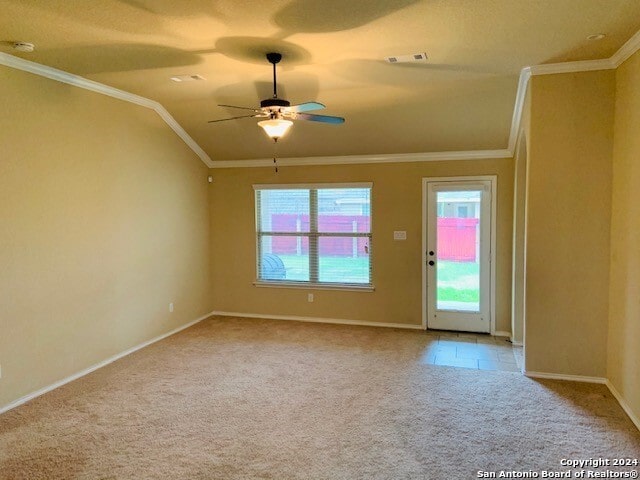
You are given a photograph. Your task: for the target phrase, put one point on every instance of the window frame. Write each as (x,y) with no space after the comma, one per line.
(313,237)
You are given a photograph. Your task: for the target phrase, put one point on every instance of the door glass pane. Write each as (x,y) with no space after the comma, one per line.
(458,251)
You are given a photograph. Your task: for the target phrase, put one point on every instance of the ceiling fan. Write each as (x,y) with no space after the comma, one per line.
(279,112)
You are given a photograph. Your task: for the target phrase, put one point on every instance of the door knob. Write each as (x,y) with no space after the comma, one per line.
(432,263)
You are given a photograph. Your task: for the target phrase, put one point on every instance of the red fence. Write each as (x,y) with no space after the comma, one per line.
(457,239)
(328,246)
(457,236)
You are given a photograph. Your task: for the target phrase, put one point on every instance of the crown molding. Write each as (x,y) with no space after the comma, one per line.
(81,82)
(71,79)
(518,108)
(628,49)
(356,159)
(181,132)
(571,67)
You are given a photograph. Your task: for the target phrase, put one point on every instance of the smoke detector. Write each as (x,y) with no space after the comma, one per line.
(24,46)
(411,58)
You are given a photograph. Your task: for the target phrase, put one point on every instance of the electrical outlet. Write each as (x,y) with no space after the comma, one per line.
(171,308)
(310,297)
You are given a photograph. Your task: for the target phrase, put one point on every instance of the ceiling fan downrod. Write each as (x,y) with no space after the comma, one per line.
(279,111)
(274,103)
(274,58)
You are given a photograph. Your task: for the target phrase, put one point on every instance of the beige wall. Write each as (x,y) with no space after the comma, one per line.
(623,368)
(105,220)
(397,270)
(569,209)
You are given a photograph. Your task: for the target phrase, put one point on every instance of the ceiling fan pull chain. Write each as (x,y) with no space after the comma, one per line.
(275,154)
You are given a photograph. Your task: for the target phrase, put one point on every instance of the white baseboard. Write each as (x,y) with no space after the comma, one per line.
(625,406)
(579,378)
(92,368)
(338,321)
(571,378)
(552,376)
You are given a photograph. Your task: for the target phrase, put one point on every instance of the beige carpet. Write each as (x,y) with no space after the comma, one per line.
(234,398)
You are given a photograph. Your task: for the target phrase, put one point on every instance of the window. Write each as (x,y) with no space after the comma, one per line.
(316,235)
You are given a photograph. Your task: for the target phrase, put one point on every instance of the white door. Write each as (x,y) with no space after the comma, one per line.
(458,255)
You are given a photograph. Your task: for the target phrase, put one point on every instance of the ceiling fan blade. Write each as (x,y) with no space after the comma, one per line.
(231,118)
(319,118)
(305,107)
(242,108)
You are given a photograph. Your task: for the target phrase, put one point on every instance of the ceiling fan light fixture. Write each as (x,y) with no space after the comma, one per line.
(276,127)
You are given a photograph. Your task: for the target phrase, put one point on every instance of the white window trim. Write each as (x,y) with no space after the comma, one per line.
(315,286)
(310,186)
(313,240)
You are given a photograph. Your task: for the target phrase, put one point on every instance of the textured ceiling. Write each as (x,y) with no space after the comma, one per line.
(461,99)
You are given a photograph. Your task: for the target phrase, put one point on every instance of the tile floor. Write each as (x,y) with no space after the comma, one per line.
(469,350)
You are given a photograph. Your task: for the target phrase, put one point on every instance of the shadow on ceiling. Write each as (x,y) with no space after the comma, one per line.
(177,9)
(254,49)
(129,16)
(320,16)
(474,120)
(587,51)
(398,74)
(93,59)
(297,87)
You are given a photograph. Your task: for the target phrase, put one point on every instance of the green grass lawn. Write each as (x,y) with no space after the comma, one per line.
(450,294)
(457,281)
(332,269)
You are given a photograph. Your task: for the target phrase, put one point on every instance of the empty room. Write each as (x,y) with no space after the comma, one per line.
(319,239)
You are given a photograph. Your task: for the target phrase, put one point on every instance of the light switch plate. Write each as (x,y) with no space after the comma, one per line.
(400,235)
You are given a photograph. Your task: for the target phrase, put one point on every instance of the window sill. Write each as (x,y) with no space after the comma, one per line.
(308,286)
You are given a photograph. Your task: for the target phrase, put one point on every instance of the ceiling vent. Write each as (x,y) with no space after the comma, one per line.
(414,57)
(187,78)
(24,46)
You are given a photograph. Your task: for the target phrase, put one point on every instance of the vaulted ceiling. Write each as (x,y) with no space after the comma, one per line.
(462,98)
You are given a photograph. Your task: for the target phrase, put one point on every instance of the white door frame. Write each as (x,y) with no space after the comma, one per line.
(492,245)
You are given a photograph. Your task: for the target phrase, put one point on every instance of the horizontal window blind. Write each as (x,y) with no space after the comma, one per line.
(319,235)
